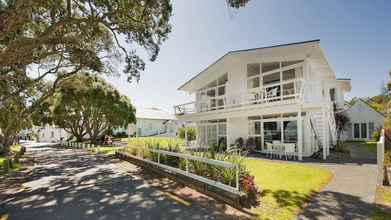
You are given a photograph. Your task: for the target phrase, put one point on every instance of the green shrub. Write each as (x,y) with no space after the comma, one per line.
(376,135)
(191,133)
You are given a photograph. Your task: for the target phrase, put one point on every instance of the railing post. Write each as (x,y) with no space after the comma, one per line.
(187,165)
(237,177)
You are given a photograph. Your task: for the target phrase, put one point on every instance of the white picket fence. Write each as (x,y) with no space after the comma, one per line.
(187,173)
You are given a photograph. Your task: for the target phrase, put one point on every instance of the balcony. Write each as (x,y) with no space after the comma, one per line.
(273,93)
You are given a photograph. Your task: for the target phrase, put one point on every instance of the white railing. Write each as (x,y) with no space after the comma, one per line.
(186,172)
(272,93)
(380,158)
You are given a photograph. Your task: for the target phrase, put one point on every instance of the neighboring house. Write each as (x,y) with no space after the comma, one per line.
(363,121)
(152,122)
(284,93)
(47,133)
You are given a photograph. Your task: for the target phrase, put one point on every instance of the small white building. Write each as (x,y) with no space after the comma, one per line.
(152,122)
(363,121)
(47,133)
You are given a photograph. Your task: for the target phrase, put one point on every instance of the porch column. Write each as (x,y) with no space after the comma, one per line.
(299,136)
(324,134)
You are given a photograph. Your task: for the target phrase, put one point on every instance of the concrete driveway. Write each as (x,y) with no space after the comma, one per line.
(68,184)
(351,193)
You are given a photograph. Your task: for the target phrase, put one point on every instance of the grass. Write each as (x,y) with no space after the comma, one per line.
(108,150)
(285,186)
(370,146)
(383,199)
(379,214)
(14,150)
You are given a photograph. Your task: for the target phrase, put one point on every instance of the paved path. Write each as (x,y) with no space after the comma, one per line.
(67,184)
(351,192)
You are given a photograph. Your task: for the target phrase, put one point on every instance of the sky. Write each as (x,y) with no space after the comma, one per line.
(355,35)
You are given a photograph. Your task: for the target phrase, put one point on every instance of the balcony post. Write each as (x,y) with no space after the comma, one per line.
(299,135)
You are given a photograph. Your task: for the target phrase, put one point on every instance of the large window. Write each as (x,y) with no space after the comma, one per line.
(212,97)
(212,132)
(290,131)
(356,130)
(364,130)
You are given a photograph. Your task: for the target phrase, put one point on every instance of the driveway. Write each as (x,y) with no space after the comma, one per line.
(68,184)
(351,192)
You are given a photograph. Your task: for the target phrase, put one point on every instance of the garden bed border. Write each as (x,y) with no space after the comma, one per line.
(211,188)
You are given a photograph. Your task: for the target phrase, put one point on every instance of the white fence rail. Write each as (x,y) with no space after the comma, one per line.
(187,172)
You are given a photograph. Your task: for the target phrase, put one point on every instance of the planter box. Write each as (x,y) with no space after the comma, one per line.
(234,199)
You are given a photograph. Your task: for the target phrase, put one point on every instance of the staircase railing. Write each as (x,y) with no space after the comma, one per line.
(316,135)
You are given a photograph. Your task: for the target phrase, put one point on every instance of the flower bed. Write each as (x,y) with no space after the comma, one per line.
(216,173)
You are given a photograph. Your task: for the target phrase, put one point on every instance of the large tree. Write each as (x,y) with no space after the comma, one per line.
(84,104)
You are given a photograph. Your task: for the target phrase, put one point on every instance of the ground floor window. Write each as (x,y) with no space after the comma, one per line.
(269,128)
(363,130)
(213,132)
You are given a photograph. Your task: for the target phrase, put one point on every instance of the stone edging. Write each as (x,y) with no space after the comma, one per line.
(232,199)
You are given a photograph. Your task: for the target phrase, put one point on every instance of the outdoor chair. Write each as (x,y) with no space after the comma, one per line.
(269,149)
(277,148)
(290,150)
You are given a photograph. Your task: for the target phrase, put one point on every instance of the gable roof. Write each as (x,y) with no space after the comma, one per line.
(365,102)
(153,113)
(245,50)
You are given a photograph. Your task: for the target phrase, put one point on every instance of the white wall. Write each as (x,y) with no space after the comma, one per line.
(360,112)
(237,127)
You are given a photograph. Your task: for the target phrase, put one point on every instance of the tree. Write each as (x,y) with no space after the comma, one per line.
(341,122)
(13,116)
(85,104)
(58,38)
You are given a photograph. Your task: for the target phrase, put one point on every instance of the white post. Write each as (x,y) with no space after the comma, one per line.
(324,134)
(186,138)
(228,133)
(299,135)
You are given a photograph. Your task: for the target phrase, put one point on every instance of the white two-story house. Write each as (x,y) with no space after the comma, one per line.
(286,93)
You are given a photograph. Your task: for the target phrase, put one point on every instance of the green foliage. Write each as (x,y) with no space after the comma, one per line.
(341,122)
(85,104)
(376,135)
(191,133)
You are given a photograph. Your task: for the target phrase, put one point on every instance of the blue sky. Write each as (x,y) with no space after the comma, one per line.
(355,35)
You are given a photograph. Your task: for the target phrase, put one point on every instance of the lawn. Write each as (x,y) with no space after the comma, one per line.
(14,150)
(370,146)
(108,150)
(285,186)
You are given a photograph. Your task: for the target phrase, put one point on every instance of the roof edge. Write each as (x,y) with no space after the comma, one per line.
(245,50)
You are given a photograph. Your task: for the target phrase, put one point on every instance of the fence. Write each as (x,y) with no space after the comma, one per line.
(78,145)
(380,159)
(187,173)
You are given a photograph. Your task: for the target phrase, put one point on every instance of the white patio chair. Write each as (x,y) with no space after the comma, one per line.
(277,148)
(272,93)
(269,149)
(290,150)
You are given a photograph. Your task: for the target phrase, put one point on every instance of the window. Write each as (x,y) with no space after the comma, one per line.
(292,62)
(270,66)
(371,128)
(290,131)
(364,130)
(356,130)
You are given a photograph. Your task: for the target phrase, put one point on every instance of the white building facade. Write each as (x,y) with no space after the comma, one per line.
(152,122)
(364,120)
(286,93)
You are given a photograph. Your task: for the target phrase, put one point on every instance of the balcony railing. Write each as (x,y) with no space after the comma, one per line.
(271,93)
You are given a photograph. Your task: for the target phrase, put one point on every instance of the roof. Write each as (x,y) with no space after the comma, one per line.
(246,50)
(365,102)
(153,113)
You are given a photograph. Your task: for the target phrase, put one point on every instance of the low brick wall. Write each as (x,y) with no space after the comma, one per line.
(230,198)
